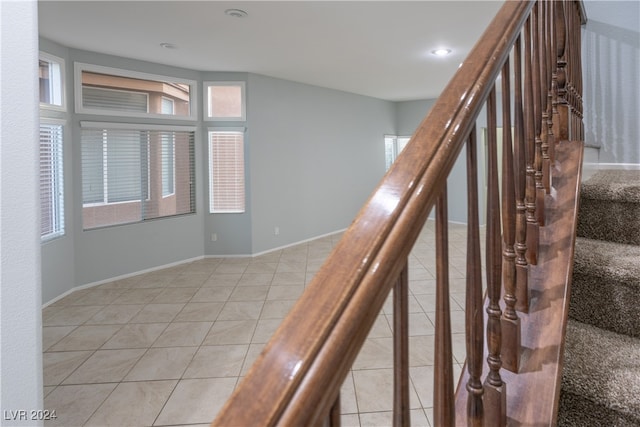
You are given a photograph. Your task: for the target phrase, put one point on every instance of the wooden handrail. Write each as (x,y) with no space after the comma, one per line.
(296,379)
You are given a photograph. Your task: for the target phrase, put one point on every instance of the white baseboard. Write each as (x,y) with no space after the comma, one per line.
(124,276)
(279,248)
(589,168)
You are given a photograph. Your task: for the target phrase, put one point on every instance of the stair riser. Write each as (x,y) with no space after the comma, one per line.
(577,411)
(612,306)
(609,220)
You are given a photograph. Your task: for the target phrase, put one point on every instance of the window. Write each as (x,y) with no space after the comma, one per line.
(168,166)
(132,173)
(225,101)
(226,171)
(110,91)
(51,82)
(393,146)
(51,180)
(168,152)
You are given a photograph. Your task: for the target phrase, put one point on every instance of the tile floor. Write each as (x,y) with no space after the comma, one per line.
(168,347)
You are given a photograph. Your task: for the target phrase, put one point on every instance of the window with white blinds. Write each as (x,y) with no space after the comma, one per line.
(51,181)
(132,173)
(226,171)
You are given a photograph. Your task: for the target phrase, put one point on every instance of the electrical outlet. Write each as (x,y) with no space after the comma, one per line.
(276,231)
(214,237)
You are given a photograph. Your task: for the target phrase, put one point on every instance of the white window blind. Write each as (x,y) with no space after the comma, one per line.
(115,100)
(127,173)
(51,181)
(226,172)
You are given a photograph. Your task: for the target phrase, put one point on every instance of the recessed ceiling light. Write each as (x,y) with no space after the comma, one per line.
(168,45)
(441,52)
(236,13)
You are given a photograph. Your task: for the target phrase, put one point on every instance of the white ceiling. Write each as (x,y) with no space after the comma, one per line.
(374,48)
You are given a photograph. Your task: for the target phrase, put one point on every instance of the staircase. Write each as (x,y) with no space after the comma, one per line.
(601,376)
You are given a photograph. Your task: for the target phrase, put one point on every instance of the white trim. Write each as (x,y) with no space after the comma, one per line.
(241,129)
(53,121)
(123,276)
(79,67)
(84,124)
(629,166)
(279,248)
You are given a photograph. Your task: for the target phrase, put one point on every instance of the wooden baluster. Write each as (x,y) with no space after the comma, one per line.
(519,152)
(553,89)
(571,48)
(334,414)
(474,322)
(401,416)
(443,393)
(495,389)
(529,114)
(539,96)
(510,322)
(561,122)
(544,92)
(578,69)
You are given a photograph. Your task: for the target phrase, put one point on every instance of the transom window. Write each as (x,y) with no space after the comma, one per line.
(225,101)
(51,81)
(110,91)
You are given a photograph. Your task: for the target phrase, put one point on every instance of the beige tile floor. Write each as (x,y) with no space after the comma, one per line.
(168,347)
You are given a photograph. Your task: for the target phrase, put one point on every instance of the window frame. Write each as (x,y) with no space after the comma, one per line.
(61,63)
(142,127)
(57,184)
(79,67)
(207,103)
(235,130)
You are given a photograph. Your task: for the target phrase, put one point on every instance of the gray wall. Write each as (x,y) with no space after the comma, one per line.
(20,300)
(611,66)
(409,114)
(109,252)
(316,155)
(233,230)
(313,156)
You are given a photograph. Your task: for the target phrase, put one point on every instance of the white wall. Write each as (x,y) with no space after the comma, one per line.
(611,67)
(20,299)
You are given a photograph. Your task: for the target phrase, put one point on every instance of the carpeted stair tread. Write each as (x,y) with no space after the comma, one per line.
(605,291)
(610,206)
(613,185)
(601,377)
